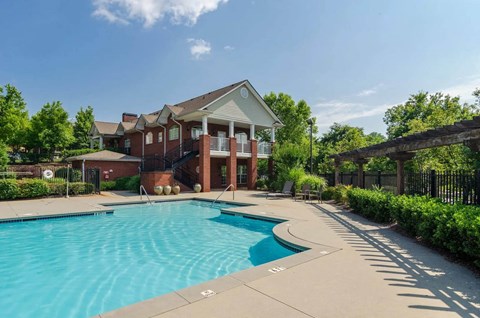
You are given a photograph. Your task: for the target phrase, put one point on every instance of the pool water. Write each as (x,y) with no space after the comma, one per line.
(86,265)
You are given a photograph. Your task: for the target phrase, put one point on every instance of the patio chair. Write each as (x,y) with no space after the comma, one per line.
(304,194)
(286,191)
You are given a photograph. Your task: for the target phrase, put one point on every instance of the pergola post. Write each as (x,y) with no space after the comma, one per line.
(360,180)
(400,158)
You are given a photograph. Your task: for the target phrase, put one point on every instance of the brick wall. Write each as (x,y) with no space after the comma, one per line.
(119,168)
(155,178)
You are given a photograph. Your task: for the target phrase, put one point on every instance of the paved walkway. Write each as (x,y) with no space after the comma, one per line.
(354,268)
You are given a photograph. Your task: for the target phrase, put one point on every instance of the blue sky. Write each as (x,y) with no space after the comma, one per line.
(350,60)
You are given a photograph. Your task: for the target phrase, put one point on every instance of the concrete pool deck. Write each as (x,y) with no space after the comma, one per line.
(355,268)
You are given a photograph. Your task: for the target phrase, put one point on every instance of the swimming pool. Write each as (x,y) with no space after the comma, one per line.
(86,265)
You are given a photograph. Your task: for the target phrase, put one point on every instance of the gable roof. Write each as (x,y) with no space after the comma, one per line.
(201,101)
(106,128)
(105,155)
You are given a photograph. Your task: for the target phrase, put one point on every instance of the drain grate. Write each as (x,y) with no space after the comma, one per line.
(208,293)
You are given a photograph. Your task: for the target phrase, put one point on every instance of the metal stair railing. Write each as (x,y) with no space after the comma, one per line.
(146,194)
(229,186)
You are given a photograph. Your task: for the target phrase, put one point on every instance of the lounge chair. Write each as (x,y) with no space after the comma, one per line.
(304,194)
(286,191)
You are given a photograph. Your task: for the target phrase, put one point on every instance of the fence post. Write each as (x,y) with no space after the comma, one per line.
(433,184)
(363,180)
(379,178)
(341,177)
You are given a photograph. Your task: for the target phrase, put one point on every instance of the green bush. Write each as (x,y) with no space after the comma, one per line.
(340,193)
(455,228)
(327,193)
(315,182)
(32,188)
(76,188)
(121,183)
(58,188)
(77,152)
(107,185)
(374,205)
(262,184)
(8,189)
(134,183)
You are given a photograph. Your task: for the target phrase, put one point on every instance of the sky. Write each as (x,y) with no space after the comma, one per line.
(350,60)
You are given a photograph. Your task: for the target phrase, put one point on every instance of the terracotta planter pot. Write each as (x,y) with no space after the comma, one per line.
(176,189)
(158,190)
(197,187)
(167,189)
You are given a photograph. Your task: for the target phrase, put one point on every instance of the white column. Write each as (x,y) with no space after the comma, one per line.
(100,143)
(204,125)
(273,134)
(231,131)
(252,132)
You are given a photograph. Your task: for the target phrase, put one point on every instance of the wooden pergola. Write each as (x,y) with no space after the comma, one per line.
(403,148)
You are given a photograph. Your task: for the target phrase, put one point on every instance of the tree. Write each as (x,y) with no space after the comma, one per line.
(83,122)
(50,129)
(13,117)
(422,112)
(3,156)
(293,116)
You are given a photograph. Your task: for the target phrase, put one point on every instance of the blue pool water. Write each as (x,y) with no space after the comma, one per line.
(86,265)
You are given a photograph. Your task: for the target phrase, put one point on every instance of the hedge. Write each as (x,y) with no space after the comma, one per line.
(455,228)
(107,185)
(34,188)
(128,183)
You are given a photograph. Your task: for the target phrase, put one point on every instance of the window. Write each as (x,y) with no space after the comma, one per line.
(127,146)
(173,133)
(241,138)
(196,132)
(149,138)
(241,174)
(160,136)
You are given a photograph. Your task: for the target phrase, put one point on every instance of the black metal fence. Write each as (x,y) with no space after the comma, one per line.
(449,186)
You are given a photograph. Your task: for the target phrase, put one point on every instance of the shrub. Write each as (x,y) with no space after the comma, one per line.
(133,183)
(77,152)
(327,193)
(76,188)
(374,205)
(121,183)
(295,175)
(8,189)
(33,188)
(58,188)
(262,184)
(107,185)
(340,193)
(315,182)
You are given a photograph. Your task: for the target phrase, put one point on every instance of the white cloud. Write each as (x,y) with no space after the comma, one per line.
(370,91)
(335,111)
(228,48)
(465,89)
(199,48)
(151,11)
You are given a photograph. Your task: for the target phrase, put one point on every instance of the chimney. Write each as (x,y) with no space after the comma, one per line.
(129,117)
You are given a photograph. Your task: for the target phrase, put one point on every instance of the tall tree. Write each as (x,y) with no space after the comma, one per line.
(83,122)
(3,156)
(425,111)
(50,129)
(293,116)
(13,117)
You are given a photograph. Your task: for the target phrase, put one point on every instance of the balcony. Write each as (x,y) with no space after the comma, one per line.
(264,149)
(219,144)
(244,148)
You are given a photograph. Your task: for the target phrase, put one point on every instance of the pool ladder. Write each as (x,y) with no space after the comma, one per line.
(143,190)
(230,186)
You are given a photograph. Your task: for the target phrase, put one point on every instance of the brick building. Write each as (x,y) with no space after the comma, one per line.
(209,139)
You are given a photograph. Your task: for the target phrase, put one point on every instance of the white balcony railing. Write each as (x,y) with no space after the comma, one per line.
(244,147)
(219,144)
(264,148)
